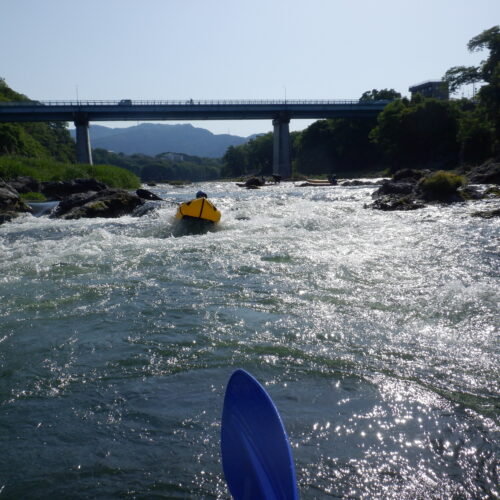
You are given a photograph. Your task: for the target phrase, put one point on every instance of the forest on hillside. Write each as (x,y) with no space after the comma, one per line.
(35,140)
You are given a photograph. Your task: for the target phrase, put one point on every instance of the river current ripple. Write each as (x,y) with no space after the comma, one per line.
(375,333)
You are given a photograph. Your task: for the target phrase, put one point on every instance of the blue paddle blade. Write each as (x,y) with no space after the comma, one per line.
(256,454)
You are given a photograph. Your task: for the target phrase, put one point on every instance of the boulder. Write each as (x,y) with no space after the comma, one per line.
(390,187)
(409,175)
(147,195)
(357,182)
(411,189)
(254,182)
(488,173)
(402,192)
(25,184)
(106,203)
(60,189)
(11,204)
(487,214)
(388,203)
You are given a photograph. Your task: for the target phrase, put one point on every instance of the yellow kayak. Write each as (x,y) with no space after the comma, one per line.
(199,208)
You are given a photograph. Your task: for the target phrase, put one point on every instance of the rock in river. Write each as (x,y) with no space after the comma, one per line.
(106,203)
(11,204)
(58,190)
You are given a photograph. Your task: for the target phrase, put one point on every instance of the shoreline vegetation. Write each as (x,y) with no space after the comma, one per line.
(45,169)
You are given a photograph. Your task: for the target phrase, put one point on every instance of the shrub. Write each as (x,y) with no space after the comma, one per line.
(33,197)
(43,169)
(441,185)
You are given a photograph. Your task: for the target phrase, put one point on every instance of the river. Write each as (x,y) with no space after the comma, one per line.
(375,333)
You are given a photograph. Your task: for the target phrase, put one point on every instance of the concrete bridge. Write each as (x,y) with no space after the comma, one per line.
(280,112)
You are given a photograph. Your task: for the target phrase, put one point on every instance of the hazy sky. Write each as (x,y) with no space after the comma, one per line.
(233,49)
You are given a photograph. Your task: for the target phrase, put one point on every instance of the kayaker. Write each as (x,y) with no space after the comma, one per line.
(201,194)
(332,179)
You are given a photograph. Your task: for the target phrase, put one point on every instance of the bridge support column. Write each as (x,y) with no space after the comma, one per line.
(83,151)
(282,165)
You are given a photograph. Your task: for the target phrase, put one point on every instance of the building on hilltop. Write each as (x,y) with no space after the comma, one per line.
(431,88)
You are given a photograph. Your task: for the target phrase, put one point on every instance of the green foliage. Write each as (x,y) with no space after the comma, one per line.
(380,95)
(7,94)
(33,197)
(15,140)
(44,169)
(252,158)
(36,140)
(418,133)
(476,136)
(489,39)
(488,71)
(462,75)
(163,167)
(441,185)
(458,76)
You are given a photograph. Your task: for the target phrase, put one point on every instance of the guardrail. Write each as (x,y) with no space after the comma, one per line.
(190,102)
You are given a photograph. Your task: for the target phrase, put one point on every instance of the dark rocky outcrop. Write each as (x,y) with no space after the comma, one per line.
(147,195)
(254,182)
(356,182)
(409,175)
(11,204)
(399,188)
(399,193)
(106,203)
(389,203)
(26,184)
(487,214)
(57,190)
(410,189)
(488,173)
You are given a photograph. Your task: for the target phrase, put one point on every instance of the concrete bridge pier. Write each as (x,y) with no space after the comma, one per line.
(83,150)
(282,164)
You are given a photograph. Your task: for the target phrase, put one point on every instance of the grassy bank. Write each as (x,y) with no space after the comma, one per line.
(50,170)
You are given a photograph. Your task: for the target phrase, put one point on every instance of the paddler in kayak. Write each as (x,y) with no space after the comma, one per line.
(200,208)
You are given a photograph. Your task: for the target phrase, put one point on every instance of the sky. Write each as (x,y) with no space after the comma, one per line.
(233,49)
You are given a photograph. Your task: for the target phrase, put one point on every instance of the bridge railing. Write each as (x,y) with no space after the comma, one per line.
(193,102)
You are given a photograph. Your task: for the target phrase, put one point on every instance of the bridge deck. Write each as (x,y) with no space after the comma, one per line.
(30,111)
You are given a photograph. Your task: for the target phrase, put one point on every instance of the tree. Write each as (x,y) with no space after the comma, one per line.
(260,154)
(315,151)
(49,140)
(234,162)
(379,95)
(419,133)
(488,72)
(464,75)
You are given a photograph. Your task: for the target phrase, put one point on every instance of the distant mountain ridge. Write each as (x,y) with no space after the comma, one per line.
(155,138)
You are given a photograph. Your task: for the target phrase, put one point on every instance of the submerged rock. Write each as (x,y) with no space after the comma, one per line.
(487,214)
(389,203)
(107,203)
(357,182)
(254,182)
